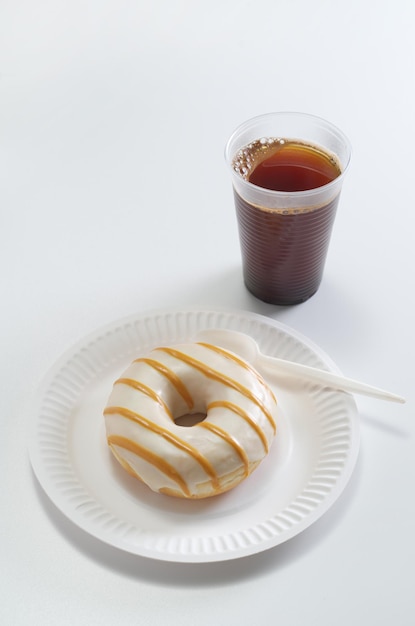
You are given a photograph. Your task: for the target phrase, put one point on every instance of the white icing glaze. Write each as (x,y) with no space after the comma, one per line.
(200,460)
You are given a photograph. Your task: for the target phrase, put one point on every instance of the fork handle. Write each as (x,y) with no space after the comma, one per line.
(325,379)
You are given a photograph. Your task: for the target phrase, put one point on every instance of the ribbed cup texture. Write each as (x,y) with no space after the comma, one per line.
(283,255)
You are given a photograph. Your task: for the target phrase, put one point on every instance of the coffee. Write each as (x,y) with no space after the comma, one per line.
(286,165)
(284,249)
(287,172)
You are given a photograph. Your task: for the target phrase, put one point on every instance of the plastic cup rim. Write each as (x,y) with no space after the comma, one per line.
(293,194)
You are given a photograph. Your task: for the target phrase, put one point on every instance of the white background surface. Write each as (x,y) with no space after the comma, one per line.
(115,199)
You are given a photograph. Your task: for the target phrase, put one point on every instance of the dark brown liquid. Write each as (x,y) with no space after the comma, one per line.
(294,167)
(284,252)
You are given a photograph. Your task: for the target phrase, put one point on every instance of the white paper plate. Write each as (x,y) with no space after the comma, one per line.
(307,469)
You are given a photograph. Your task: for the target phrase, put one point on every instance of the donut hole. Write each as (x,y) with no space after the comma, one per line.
(190,419)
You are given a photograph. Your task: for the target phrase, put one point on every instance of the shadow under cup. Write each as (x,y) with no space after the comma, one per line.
(284,235)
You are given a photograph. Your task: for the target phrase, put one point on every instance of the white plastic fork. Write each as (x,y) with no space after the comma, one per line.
(245,346)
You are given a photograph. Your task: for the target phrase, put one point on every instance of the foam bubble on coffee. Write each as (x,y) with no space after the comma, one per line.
(248,157)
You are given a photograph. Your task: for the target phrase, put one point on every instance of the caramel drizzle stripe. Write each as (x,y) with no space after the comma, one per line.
(150,457)
(216,430)
(128,468)
(172,377)
(135,384)
(168,436)
(226,380)
(240,362)
(244,415)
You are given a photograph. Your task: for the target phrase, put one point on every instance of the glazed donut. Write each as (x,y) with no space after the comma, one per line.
(238,414)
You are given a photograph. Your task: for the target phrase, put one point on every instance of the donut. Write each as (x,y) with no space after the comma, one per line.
(235,425)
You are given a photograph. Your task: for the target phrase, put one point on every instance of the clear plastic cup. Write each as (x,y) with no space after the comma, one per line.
(285,235)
